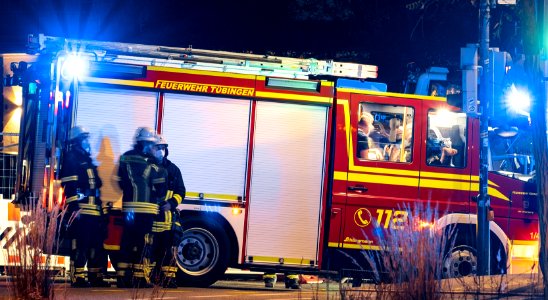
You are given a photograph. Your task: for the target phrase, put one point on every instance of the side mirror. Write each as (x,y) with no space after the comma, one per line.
(506,131)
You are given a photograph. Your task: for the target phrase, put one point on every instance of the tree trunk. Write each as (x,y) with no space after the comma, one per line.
(540,150)
(534,31)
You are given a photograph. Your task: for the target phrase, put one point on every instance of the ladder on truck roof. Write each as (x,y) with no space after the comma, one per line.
(190,58)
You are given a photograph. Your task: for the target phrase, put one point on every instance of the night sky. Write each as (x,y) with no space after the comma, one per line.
(387,33)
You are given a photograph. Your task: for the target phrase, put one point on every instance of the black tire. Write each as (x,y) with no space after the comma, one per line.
(498,257)
(202,253)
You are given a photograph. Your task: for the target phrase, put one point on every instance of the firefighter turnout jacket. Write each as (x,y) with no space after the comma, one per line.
(144,187)
(143,182)
(81,182)
(175,194)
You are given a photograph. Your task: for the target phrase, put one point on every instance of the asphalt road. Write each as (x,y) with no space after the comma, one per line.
(524,286)
(221,290)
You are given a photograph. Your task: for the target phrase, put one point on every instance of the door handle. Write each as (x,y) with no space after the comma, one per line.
(358,188)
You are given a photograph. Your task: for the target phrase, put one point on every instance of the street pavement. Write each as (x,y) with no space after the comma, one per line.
(249,286)
(229,290)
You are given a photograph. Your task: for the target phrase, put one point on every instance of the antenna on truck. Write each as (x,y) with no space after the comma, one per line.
(199,59)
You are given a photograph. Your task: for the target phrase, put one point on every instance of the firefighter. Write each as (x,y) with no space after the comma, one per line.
(144,186)
(166,269)
(291,280)
(81,184)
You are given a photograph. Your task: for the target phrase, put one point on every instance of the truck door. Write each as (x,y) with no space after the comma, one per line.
(383,176)
(446,166)
(287,176)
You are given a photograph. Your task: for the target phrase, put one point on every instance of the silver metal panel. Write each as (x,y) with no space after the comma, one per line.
(207,139)
(286,181)
(112,116)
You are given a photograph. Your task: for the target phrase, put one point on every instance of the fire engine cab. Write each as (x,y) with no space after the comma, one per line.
(268,149)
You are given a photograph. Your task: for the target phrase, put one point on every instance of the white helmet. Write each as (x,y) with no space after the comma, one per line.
(78,132)
(145,134)
(162,140)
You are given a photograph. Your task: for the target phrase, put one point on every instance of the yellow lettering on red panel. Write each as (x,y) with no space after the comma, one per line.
(204,88)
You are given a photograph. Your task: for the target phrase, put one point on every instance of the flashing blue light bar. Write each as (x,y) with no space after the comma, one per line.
(74,66)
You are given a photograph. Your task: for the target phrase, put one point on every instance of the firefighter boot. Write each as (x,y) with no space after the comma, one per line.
(269,280)
(80,283)
(122,282)
(96,280)
(292,281)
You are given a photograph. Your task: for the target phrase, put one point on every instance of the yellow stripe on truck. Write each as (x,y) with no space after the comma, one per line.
(280,260)
(383,179)
(285,96)
(442,184)
(121,82)
(225,197)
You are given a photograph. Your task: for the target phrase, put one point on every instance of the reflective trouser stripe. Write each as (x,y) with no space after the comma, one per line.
(169,272)
(122,268)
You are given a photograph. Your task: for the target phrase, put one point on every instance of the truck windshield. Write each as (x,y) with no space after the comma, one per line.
(512,155)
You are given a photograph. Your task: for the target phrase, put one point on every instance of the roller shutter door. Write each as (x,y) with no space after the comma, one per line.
(112,116)
(207,139)
(286,183)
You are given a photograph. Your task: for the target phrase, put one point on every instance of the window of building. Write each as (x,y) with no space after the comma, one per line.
(385,132)
(446,139)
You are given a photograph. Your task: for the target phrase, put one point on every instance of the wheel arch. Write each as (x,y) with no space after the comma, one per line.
(471,219)
(212,218)
(464,223)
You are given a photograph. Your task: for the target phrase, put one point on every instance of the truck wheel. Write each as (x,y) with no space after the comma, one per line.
(460,261)
(201,254)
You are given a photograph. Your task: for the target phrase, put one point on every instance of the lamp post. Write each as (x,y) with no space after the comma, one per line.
(482,225)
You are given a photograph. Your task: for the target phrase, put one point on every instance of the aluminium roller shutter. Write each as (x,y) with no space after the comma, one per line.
(286,183)
(112,116)
(207,139)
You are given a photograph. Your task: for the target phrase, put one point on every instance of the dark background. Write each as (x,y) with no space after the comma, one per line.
(396,35)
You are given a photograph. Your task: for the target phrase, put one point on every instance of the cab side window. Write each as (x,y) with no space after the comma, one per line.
(385,132)
(446,139)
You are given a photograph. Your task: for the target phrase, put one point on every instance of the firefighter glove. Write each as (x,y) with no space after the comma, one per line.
(166,206)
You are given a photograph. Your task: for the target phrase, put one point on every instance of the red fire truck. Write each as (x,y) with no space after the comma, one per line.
(268,151)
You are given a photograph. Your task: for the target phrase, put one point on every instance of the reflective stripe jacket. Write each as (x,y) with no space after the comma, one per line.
(143,183)
(81,182)
(175,195)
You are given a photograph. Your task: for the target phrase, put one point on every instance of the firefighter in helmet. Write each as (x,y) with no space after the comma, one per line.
(163,225)
(81,184)
(144,186)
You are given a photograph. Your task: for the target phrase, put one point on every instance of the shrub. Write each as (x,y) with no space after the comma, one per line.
(409,262)
(30,255)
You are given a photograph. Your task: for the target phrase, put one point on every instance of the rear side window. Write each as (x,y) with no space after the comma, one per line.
(385,132)
(446,139)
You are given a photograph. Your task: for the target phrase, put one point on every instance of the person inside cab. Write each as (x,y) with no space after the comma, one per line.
(365,148)
(439,149)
